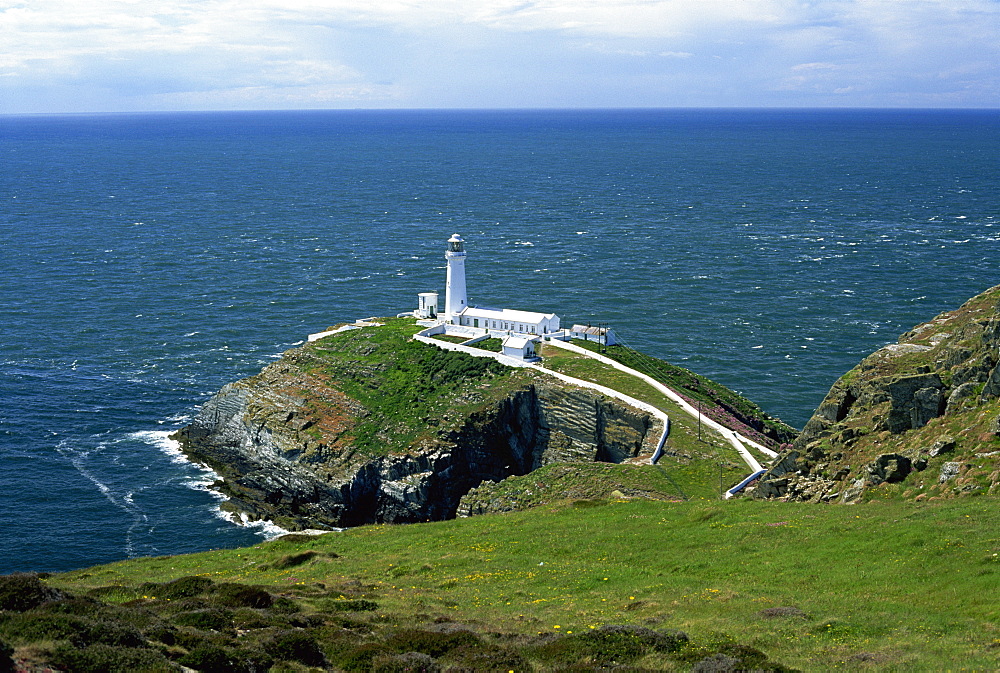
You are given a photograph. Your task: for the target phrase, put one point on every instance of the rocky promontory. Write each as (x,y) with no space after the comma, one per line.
(369,426)
(919,418)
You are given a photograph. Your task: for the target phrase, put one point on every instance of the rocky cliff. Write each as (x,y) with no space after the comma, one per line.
(917,419)
(367,426)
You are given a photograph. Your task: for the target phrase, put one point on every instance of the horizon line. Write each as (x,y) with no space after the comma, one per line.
(774,108)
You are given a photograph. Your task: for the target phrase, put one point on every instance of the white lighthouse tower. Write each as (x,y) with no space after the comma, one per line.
(455,298)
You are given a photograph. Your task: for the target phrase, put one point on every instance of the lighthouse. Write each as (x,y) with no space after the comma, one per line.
(455,298)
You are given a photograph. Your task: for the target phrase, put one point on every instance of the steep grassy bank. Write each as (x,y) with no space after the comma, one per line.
(717,402)
(887,586)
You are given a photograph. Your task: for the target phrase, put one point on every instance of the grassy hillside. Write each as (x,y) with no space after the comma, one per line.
(686,443)
(408,390)
(887,586)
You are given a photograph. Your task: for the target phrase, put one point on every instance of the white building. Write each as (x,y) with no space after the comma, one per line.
(455,298)
(458,312)
(519,347)
(508,320)
(427,305)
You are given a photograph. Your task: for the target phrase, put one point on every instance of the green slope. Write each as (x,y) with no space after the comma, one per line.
(890,586)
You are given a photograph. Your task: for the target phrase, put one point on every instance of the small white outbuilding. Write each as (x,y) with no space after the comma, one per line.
(519,347)
(603,335)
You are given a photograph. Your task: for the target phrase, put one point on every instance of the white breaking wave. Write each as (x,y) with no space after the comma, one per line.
(264,528)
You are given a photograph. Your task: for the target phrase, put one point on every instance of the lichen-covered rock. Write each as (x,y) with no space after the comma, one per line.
(889,467)
(949,471)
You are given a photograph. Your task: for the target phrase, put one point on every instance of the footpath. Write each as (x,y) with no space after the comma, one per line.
(738,441)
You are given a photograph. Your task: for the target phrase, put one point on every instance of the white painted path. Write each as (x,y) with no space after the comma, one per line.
(738,441)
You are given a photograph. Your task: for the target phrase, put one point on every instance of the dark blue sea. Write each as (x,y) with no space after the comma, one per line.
(148,259)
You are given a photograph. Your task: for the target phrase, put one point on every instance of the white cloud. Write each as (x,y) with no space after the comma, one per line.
(405,52)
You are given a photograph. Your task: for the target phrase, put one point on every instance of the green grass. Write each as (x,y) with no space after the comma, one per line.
(576,481)
(719,400)
(897,586)
(492,344)
(450,339)
(409,390)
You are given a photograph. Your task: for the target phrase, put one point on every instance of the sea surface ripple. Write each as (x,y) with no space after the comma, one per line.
(149,259)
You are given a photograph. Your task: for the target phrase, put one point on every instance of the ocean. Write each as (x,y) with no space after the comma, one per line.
(148,259)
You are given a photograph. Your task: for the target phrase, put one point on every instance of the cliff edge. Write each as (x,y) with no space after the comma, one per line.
(369,426)
(918,419)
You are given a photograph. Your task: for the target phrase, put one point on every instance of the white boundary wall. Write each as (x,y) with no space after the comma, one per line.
(517,362)
(738,441)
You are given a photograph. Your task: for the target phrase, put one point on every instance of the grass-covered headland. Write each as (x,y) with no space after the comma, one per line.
(586,585)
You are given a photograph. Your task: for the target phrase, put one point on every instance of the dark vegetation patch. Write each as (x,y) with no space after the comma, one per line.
(6,658)
(21,591)
(205,626)
(293,560)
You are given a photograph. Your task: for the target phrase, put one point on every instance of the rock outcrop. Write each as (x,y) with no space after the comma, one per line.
(291,444)
(935,392)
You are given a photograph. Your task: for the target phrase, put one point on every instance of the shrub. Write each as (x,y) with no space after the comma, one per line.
(624,641)
(293,560)
(184,587)
(6,658)
(732,657)
(211,619)
(283,605)
(189,639)
(434,643)
(717,663)
(21,591)
(213,658)
(296,645)
(30,627)
(359,658)
(101,658)
(408,662)
(108,633)
(241,596)
(82,607)
(161,633)
(207,658)
(248,618)
(611,644)
(484,657)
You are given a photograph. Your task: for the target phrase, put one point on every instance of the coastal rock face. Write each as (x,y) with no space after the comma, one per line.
(883,423)
(289,443)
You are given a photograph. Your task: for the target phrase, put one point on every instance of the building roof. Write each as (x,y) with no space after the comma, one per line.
(507,314)
(516,342)
(586,329)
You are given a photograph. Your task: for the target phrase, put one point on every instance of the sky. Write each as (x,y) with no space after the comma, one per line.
(66,56)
